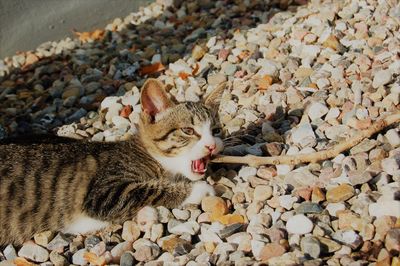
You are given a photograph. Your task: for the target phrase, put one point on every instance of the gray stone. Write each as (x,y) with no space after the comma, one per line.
(309,207)
(127,259)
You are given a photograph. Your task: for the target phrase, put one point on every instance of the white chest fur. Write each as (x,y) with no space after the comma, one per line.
(83,224)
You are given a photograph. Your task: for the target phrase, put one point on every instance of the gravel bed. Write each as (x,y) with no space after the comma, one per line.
(300,79)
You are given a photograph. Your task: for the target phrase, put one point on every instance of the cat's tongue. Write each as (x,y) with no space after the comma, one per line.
(199,166)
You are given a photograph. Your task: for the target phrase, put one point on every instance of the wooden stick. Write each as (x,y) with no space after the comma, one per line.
(312,157)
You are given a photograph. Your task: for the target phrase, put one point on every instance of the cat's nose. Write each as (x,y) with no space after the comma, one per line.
(211,148)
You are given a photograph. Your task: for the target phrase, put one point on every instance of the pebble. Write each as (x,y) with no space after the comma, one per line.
(310,246)
(190,227)
(392,242)
(127,259)
(262,193)
(299,224)
(130,231)
(78,257)
(271,250)
(214,205)
(381,78)
(10,253)
(146,217)
(304,136)
(348,237)
(385,208)
(317,110)
(58,242)
(43,238)
(308,207)
(393,137)
(120,249)
(340,193)
(34,252)
(58,259)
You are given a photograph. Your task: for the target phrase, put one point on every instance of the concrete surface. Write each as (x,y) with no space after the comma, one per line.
(24,24)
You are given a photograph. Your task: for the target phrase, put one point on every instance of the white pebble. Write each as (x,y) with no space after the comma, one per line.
(299,224)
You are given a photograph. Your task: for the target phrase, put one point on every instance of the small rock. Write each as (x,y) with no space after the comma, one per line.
(392,241)
(209,236)
(216,79)
(146,253)
(348,237)
(119,249)
(214,205)
(181,214)
(43,238)
(299,224)
(146,217)
(308,207)
(333,208)
(10,253)
(304,136)
(387,207)
(328,245)
(246,172)
(310,246)
(393,137)
(262,193)
(391,166)
(198,52)
(127,259)
(78,258)
(317,110)
(130,231)
(58,243)
(177,246)
(230,230)
(164,215)
(58,259)
(34,252)
(381,78)
(190,227)
(287,201)
(340,193)
(271,250)
(91,241)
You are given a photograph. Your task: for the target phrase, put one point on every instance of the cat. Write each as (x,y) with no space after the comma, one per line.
(78,186)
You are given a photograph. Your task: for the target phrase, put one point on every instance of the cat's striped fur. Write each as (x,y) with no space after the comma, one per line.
(61,184)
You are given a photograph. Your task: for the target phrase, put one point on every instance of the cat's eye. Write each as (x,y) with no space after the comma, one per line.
(188,130)
(217,131)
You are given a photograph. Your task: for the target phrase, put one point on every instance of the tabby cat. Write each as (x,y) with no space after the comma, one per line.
(79,186)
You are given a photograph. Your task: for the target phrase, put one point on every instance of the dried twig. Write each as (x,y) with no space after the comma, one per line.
(312,157)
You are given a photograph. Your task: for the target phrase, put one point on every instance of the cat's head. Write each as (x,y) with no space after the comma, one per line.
(181,137)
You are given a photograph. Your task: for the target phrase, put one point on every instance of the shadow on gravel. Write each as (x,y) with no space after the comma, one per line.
(61,89)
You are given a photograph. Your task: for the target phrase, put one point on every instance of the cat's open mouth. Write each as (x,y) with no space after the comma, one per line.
(199,166)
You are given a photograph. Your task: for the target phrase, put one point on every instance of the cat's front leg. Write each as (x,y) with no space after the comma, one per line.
(199,190)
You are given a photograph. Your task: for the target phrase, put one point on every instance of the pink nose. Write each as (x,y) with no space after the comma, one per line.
(211,148)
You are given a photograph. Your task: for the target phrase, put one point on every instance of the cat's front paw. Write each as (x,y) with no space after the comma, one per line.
(199,190)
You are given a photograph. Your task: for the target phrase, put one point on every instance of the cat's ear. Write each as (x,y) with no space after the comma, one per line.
(214,98)
(153,98)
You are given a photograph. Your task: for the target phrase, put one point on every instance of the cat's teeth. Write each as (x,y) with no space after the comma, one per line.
(199,166)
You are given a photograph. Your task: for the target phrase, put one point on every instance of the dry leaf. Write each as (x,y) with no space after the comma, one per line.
(126,111)
(183,75)
(195,69)
(151,69)
(89,36)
